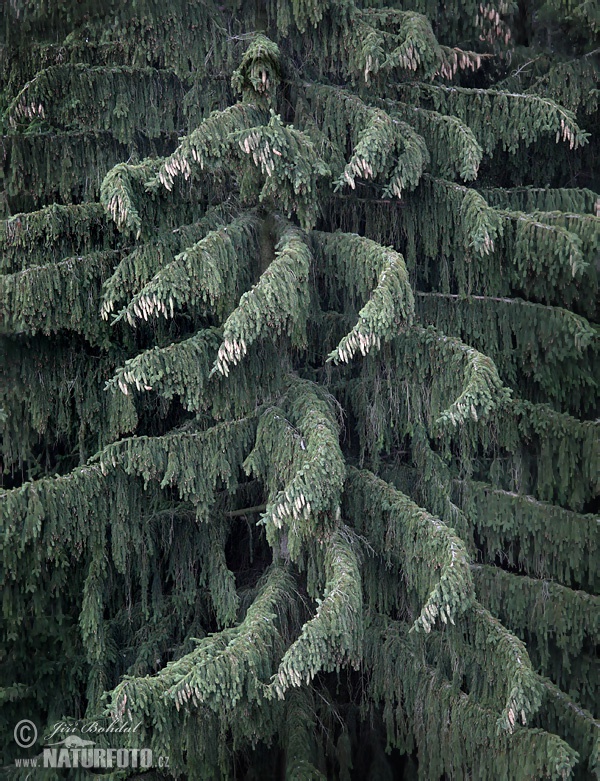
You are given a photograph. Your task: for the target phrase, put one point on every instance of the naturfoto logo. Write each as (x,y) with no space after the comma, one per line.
(75,751)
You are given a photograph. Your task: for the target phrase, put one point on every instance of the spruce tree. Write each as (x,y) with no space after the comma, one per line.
(299,379)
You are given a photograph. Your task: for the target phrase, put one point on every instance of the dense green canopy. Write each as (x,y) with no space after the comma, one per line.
(299,385)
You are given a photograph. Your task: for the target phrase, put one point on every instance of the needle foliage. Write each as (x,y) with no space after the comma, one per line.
(299,385)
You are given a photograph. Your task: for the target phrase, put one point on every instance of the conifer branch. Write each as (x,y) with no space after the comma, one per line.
(400,530)
(75,162)
(52,233)
(507,124)
(206,273)
(553,615)
(278,302)
(223,668)
(139,266)
(435,484)
(259,71)
(118,197)
(218,577)
(459,729)
(555,336)
(290,165)
(518,529)
(391,302)
(122,100)
(333,637)
(530,238)
(169,370)
(57,391)
(194,461)
(569,457)
(482,390)
(531,199)
(208,144)
(305,482)
(582,729)
(70,289)
(508,658)
(382,145)
(451,143)
(300,729)
(408,43)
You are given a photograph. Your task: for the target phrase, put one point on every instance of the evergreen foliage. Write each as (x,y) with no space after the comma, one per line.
(299,385)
